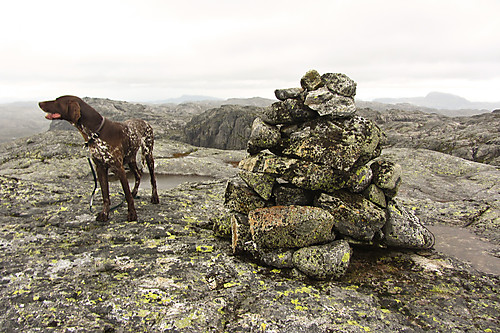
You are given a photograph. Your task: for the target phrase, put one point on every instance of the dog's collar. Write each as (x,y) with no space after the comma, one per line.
(94,135)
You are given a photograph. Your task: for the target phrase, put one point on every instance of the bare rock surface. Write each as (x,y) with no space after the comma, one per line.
(64,272)
(442,189)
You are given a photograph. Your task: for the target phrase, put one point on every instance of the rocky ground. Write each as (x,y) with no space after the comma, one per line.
(64,272)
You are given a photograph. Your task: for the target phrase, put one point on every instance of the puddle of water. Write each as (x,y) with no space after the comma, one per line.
(164,182)
(466,246)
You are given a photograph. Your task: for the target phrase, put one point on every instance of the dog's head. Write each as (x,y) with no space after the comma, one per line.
(63,108)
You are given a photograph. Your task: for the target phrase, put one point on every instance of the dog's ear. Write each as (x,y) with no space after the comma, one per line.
(74,111)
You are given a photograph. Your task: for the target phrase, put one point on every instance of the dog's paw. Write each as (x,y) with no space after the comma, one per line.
(132,216)
(155,199)
(102,217)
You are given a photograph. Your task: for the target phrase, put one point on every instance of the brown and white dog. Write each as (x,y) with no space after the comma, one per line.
(112,145)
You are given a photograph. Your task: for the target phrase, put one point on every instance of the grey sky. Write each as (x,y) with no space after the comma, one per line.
(151,50)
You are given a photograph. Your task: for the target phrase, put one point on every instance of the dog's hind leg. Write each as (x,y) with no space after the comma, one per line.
(120,172)
(137,175)
(147,154)
(151,166)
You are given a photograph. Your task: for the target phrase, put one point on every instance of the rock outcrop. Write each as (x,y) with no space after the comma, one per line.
(314,174)
(475,138)
(226,127)
(470,137)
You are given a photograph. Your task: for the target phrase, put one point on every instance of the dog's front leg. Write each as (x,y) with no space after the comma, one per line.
(102,175)
(132,215)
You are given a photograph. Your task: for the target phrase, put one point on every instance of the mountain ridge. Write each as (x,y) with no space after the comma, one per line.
(441,100)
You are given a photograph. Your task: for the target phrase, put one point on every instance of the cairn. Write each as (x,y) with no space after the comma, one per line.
(314,183)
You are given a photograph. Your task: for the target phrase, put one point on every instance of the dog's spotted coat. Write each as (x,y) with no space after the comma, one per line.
(111,145)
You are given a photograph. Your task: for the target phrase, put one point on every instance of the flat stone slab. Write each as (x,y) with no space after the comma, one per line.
(290,226)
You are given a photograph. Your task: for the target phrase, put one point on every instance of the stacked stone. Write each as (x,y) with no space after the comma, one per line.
(314,182)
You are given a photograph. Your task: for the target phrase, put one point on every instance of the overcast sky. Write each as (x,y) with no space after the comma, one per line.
(149,50)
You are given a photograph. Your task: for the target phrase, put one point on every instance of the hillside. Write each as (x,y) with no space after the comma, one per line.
(475,138)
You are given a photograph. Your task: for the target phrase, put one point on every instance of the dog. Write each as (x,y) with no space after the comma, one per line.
(112,145)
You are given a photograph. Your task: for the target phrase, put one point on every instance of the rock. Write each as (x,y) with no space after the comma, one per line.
(298,111)
(376,195)
(316,177)
(167,272)
(283,94)
(311,80)
(360,179)
(241,238)
(386,174)
(323,261)
(306,175)
(340,84)
(261,183)
(290,226)
(226,127)
(276,114)
(336,143)
(473,138)
(403,229)
(354,215)
(222,224)
(327,103)
(287,195)
(471,190)
(278,258)
(270,164)
(240,198)
(263,135)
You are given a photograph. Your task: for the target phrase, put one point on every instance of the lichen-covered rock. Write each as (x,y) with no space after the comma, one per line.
(287,194)
(403,229)
(323,262)
(311,80)
(376,195)
(241,198)
(360,179)
(276,114)
(277,258)
(325,103)
(222,224)
(339,83)
(386,173)
(298,111)
(354,215)
(306,175)
(290,226)
(263,135)
(283,94)
(317,177)
(261,183)
(271,164)
(336,143)
(241,238)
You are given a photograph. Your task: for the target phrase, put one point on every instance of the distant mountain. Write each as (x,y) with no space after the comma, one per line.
(186,99)
(254,101)
(216,102)
(439,100)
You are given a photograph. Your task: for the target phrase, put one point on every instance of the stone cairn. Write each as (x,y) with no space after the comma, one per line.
(314,183)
